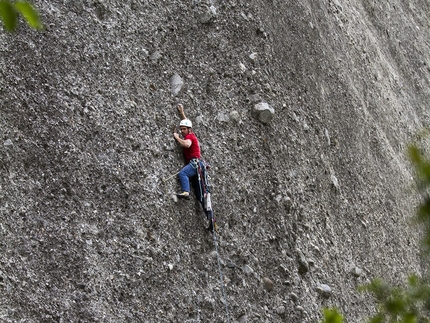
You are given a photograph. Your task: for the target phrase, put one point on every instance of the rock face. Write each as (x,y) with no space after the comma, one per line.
(89,229)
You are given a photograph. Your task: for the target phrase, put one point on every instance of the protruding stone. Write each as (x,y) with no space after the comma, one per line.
(280,310)
(294,297)
(357,272)
(247,270)
(235,116)
(299,309)
(242,67)
(335,182)
(263,112)
(324,290)
(8,143)
(176,84)
(206,13)
(268,284)
(155,56)
(254,98)
(303,263)
(243,319)
(223,117)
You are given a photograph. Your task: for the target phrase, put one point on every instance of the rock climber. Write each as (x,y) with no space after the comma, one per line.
(191,149)
(188,173)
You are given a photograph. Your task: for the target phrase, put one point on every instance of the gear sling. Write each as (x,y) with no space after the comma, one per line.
(202,189)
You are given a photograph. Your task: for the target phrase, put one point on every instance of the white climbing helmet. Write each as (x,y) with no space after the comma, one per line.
(186,123)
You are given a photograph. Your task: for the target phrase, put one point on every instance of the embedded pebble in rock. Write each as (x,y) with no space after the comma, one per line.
(223,117)
(207,11)
(294,297)
(268,284)
(243,319)
(300,309)
(247,270)
(263,112)
(303,263)
(280,310)
(357,272)
(324,290)
(235,116)
(335,182)
(155,56)
(176,84)
(8,143)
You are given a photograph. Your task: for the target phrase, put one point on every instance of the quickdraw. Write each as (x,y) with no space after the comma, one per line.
(205,195)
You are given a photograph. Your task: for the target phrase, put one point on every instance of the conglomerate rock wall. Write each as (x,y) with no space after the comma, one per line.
(310,203)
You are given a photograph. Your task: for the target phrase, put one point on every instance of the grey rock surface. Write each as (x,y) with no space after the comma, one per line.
(90,230)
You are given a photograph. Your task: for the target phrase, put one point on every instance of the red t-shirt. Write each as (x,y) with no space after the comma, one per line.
(194,150)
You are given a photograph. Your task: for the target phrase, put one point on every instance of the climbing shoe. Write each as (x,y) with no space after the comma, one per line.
(183,195)
(212,226)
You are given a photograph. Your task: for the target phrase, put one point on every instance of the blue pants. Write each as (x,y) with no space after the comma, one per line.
(189,171)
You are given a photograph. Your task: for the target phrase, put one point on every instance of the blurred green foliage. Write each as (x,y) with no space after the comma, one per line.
(409,303)
(332,316)
(10,11)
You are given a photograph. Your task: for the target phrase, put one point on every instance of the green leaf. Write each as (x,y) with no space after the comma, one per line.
(332,316)
(8,15)
(409,318)
(379,318)
(29,13)
(395,305)
(414,154)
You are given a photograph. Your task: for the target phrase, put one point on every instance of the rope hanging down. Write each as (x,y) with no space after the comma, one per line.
(205,200)
(204,187)
(221,276)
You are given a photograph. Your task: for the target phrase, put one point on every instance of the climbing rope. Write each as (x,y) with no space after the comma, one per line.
(208,208)
(167,178)
(204,178)
(220,271)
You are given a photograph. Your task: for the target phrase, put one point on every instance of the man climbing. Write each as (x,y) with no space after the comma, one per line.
(194,165)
